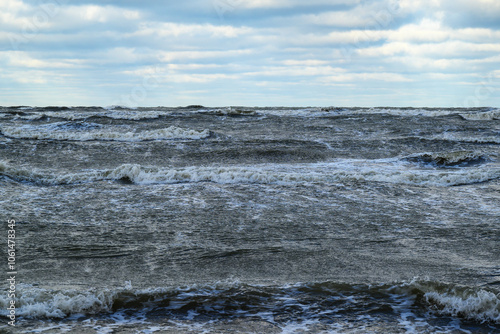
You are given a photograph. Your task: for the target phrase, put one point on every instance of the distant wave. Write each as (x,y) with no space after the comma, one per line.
(489,115)
(459,137)
(83,131)
(449,159)
(83,113)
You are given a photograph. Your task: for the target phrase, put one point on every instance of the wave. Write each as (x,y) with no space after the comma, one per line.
(463,302)
(485,114)
(79,114)
(229,111)
(83,131)
(320,301)
(489,115)
(449,159)
(389,171)
(492,138)
(347,171)
(82,113)
(468,114)
(335,111)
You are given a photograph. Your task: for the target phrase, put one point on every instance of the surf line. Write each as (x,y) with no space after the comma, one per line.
(11,262)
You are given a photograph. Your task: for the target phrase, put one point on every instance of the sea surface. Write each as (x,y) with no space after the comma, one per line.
(251,220)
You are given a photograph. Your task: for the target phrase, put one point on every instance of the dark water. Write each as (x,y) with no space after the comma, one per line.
(252,220)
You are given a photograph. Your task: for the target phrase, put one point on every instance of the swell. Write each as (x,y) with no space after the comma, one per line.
(312,301)
(83,131)
(80,113)
(343,170)
(458,138)
(449,159)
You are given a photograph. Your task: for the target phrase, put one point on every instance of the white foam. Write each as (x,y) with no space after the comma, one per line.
(228,111)
(59,131)
(478,305)
(38,303)
(312,112)
(33,302)
(343,170)
(69,115)
(458,137)
(407,112)
(78,114)
(482,116)
(134,114)
(141,114)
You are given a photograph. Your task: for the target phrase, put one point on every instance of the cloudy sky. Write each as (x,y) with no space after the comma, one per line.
(250,52)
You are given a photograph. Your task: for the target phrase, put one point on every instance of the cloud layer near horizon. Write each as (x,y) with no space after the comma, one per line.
(253,52)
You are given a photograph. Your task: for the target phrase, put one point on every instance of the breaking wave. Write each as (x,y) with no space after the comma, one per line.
(83,131)
(319,301)
(474,304)
(392,171)
(449,159)
(489,115)
(123,113)
(461,138)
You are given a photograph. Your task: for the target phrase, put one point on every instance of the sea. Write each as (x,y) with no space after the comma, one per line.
(250,220)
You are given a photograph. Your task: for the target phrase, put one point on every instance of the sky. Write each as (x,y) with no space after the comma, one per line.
(434,53)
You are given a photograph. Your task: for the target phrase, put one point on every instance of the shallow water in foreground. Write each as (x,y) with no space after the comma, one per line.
(252,220)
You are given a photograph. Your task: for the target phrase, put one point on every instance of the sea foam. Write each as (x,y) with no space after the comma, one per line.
(343,170)
(88,131)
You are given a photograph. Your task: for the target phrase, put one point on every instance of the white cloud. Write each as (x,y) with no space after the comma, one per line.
(433,31)
(445,9)
(418,5)
(53,16)
(286,71)
(22,59)
(428,65)
(164,70)
(194,67)
(367,15)
(178,30)
(303,45)
(101,14)
(308,62)
(199,78)
(483,7)
(285,3)
(120,55)
(86,15)
(426,31)
(13,6)
(30,76)
(368,76)
(170,56)
(8,19)
(351,37)
(448,49)
(351,19)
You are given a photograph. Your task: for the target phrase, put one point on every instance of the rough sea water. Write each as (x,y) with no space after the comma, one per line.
(252,220)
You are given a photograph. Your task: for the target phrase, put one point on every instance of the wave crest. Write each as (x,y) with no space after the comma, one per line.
(416,297)
(461,301)
(82,131)
(340,171)
(449,159)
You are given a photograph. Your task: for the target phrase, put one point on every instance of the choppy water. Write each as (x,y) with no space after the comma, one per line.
(253,220)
